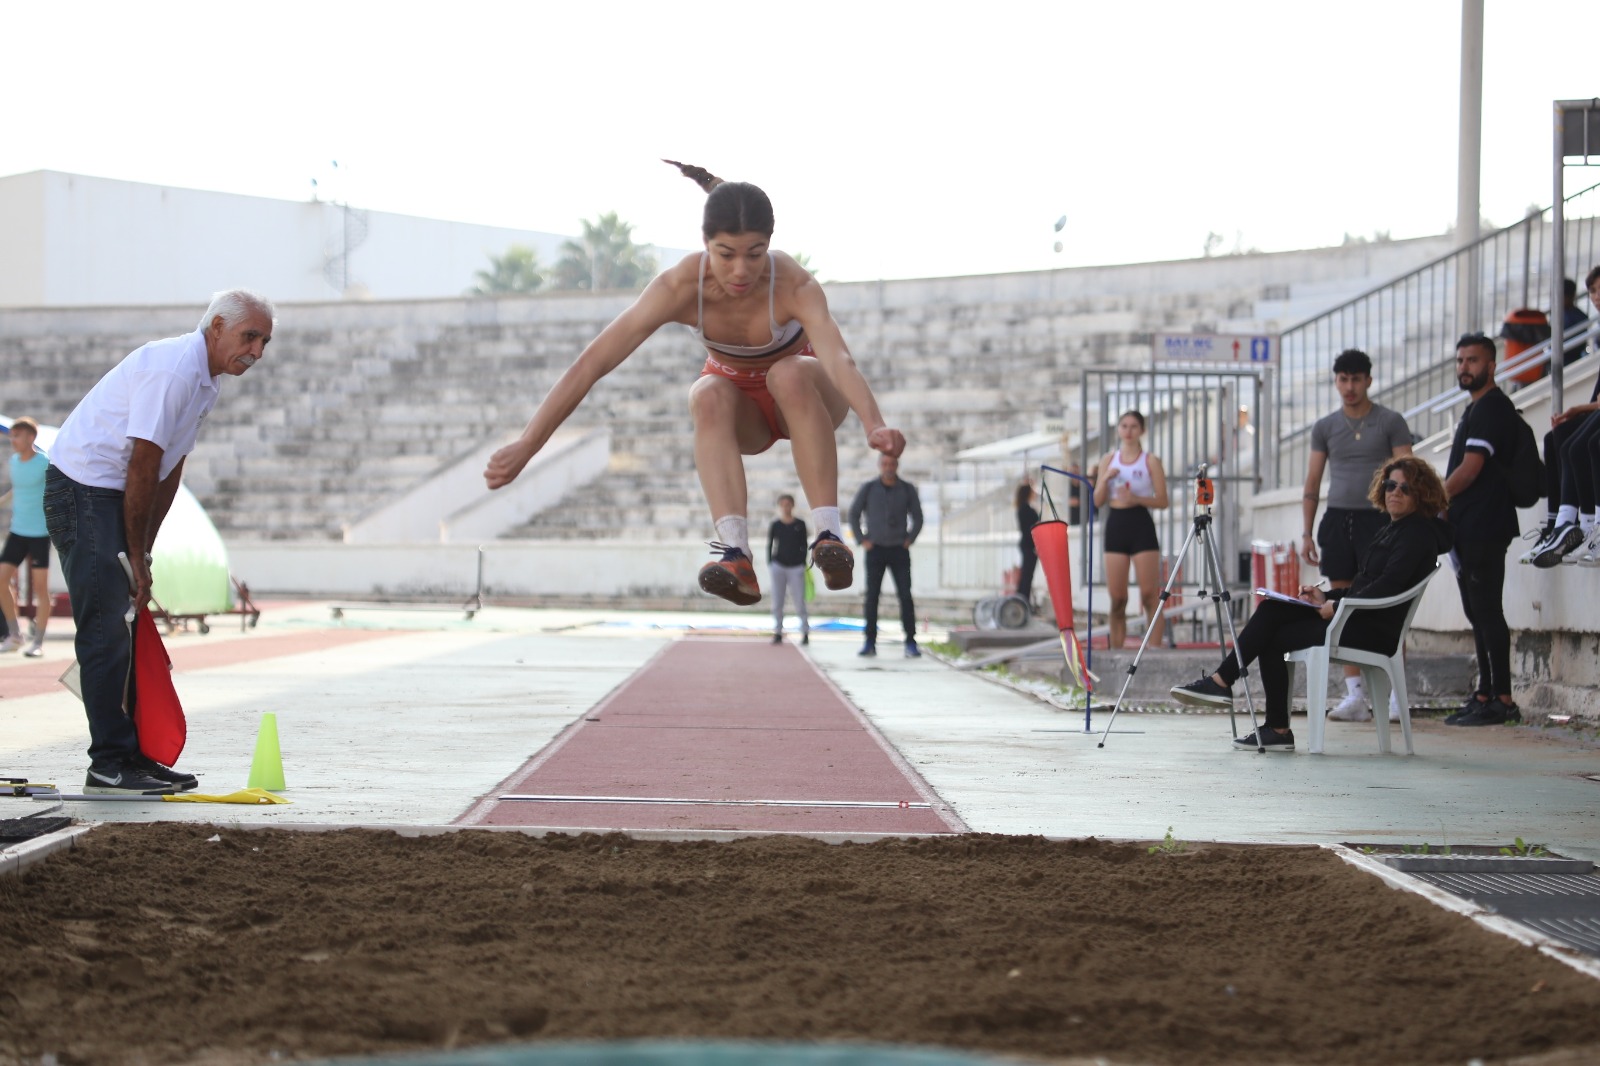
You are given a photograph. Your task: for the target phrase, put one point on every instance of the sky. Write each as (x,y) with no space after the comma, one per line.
(895,139)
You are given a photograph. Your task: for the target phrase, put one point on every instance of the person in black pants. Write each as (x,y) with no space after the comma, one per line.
(1572,477)
(1027,518)
(1485,521)
(893,514)
(1403,553)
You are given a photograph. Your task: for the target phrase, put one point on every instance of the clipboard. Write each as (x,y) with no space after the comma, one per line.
(1273,594)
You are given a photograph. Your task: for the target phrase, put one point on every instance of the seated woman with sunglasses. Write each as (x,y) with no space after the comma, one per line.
(1403,553)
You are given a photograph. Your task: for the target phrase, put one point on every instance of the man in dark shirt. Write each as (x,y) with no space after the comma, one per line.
(1485,523)
(893,513)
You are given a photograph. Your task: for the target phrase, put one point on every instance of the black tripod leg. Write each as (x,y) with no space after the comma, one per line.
(1222,600)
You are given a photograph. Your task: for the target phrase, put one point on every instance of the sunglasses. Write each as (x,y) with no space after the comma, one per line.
(1392,485)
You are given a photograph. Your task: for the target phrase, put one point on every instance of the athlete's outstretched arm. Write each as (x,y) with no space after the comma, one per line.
(812,309)
(652,310)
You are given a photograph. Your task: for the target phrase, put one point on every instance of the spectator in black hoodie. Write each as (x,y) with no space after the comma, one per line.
(1403,553)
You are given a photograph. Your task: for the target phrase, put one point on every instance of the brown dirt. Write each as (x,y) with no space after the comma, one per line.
(152,944)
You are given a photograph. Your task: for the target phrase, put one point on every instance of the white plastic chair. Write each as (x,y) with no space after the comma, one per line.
(1380,672)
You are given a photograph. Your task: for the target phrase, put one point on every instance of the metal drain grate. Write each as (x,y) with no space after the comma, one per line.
(1564,907)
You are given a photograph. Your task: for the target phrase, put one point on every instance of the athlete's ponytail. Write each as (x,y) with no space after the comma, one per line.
(732,207)
(699,175)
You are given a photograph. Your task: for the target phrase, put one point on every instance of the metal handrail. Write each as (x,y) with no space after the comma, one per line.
(1409,323)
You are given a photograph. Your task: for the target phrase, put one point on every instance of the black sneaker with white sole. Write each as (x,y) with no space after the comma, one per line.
(1564,540)
(1271,740)
(124,781)
(1203,693)
(1492,713)
(176,778)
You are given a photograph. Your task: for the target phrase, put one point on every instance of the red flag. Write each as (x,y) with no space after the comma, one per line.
(157,714)
(1050,541)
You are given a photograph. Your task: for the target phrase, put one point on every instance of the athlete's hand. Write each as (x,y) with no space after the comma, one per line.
(890,442)
(507,463)
(1313,556)
(1125,494)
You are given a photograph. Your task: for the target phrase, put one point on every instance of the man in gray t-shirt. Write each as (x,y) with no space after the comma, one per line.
(1352,444)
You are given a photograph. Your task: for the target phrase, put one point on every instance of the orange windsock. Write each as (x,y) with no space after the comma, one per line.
(1050,541)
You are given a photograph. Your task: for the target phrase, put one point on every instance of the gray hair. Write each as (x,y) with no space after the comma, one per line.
(233,305)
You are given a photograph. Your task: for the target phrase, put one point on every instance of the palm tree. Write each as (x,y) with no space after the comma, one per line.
(605,257)
(516,271)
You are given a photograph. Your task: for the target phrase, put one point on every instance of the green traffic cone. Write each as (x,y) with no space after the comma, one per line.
(266,768)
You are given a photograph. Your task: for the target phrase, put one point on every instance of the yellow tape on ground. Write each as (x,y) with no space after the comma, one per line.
(244,795)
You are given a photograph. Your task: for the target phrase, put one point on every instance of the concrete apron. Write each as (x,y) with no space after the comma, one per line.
(412,729)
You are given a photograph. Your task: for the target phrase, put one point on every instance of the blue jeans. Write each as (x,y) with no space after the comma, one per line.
(86,527)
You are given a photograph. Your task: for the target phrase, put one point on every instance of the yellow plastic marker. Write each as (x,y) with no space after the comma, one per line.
(244,795)
(266,768)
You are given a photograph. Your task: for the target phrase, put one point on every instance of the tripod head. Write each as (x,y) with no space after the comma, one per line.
(1204,492)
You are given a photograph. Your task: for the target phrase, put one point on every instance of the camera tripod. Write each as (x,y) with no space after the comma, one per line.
(1204,497)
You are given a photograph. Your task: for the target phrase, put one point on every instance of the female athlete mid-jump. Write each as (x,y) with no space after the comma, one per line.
(776,368)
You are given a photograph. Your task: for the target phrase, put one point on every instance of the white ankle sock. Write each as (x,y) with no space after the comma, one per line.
(827,519)
(734,531)
(1587,523)
(1566,515)
(1353,686)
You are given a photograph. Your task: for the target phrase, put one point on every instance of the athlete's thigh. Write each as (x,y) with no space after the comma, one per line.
(749,424)
(801,376)
(1117,573)
(1147,565)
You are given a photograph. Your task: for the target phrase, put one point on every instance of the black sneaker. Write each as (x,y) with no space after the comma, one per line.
(1492,713)
(1567,538)
(176,778)
(805,638)
(1271,740)
(124,781)
(868,650)
(912,651)
(1468,705)
(1203,693)
(777,638)
(837,563)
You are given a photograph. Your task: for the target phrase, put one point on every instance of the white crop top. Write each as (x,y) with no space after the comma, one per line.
(781,337)
(1136,475)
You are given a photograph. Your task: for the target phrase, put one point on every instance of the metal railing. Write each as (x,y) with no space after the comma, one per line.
(1409,326)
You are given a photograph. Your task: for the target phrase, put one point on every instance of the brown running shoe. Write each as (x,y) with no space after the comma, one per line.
(837,563)
(732,577)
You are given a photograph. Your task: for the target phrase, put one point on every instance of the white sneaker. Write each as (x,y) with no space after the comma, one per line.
(35,650)
(11,643)
(1353,708)
(1589,554)
(1394,706)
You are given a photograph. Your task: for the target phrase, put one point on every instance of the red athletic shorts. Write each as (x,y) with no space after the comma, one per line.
(753,383)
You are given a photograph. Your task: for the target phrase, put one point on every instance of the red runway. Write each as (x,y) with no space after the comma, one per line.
(721,734)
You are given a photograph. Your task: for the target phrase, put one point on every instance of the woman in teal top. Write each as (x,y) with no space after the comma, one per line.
(28,538)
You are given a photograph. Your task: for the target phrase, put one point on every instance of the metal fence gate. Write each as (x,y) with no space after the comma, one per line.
(1192,417)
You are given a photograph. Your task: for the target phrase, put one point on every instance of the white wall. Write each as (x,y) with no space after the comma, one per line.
(74,240)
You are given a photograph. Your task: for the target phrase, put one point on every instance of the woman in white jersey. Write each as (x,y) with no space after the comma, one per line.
(1134,483)
(776,368)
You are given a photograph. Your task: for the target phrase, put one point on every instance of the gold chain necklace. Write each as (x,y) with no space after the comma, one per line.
(1356,427)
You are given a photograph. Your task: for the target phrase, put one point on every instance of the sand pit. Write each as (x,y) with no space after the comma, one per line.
(160,944)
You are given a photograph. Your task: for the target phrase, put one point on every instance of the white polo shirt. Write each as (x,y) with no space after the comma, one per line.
(159,393)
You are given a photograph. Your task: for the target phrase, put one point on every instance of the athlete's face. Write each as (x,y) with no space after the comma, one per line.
(738,260)
(1352,388)
(1129,428)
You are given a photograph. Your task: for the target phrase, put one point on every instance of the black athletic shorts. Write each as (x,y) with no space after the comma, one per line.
(1131,530)
(19,548)
(1343,539)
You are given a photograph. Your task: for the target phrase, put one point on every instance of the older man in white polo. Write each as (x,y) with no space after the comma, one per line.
(114,471)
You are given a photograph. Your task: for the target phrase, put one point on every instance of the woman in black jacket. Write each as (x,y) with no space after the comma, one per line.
(1402,554)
